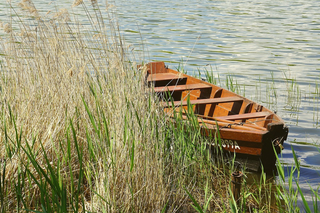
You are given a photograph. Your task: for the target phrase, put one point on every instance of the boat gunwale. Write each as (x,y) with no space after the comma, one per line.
(232,94)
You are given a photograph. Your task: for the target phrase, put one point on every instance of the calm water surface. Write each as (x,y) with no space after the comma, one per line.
(270,48)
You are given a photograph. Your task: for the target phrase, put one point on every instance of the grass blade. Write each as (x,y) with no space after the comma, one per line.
(196,205)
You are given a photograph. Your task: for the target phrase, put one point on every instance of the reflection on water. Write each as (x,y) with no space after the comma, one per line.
(270,48)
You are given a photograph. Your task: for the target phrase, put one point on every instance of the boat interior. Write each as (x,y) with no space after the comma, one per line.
(208,101)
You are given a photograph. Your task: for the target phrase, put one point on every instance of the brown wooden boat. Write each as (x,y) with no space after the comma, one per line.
(246,128)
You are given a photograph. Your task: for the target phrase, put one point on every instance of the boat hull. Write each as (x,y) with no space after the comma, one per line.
(243,127)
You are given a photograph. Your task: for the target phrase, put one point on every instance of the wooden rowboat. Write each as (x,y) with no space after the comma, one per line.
(246,128)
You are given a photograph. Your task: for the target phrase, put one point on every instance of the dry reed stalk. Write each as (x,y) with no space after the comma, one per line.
(46,73)
(52,81)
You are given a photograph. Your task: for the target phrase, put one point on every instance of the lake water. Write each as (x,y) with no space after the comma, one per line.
(270,48)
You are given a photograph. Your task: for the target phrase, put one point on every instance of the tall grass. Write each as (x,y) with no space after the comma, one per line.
(280,191)
(290,193)
(79,130)
(74,133)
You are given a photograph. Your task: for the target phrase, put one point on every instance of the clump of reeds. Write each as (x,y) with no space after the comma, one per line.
(80,132)
(74,121)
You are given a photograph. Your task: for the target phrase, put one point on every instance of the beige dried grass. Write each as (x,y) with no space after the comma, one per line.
(48,72)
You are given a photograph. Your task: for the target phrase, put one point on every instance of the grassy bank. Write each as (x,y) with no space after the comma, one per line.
(80,132)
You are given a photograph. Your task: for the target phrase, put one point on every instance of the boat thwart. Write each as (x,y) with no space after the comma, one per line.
(246,128)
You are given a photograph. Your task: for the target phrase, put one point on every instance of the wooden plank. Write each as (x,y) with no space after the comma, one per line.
(235,134)
(221,122)
(164,77)
(245,150)
(182,87)
(205,101)
(240,147)
(245,116)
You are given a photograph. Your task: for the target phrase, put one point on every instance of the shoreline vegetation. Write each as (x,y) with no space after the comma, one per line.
(81,133)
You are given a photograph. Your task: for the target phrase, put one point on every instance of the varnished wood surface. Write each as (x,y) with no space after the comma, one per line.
(182,87)
(243,125)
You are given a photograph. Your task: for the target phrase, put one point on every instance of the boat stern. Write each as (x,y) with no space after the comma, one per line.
(273,144)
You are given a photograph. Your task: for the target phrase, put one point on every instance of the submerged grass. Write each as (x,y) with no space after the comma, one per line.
(81,132)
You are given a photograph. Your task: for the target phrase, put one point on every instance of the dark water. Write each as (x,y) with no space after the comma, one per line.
(270,49)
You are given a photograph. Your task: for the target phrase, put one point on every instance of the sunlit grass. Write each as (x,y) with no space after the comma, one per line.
(280,193)
(81,132)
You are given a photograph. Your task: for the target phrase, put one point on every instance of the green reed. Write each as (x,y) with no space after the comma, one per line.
(82,134)
(290,192)
(286,193)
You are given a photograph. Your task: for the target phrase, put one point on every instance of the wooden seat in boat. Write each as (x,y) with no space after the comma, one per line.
(164,77)
(245,116)
(182,87)
(205,101)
